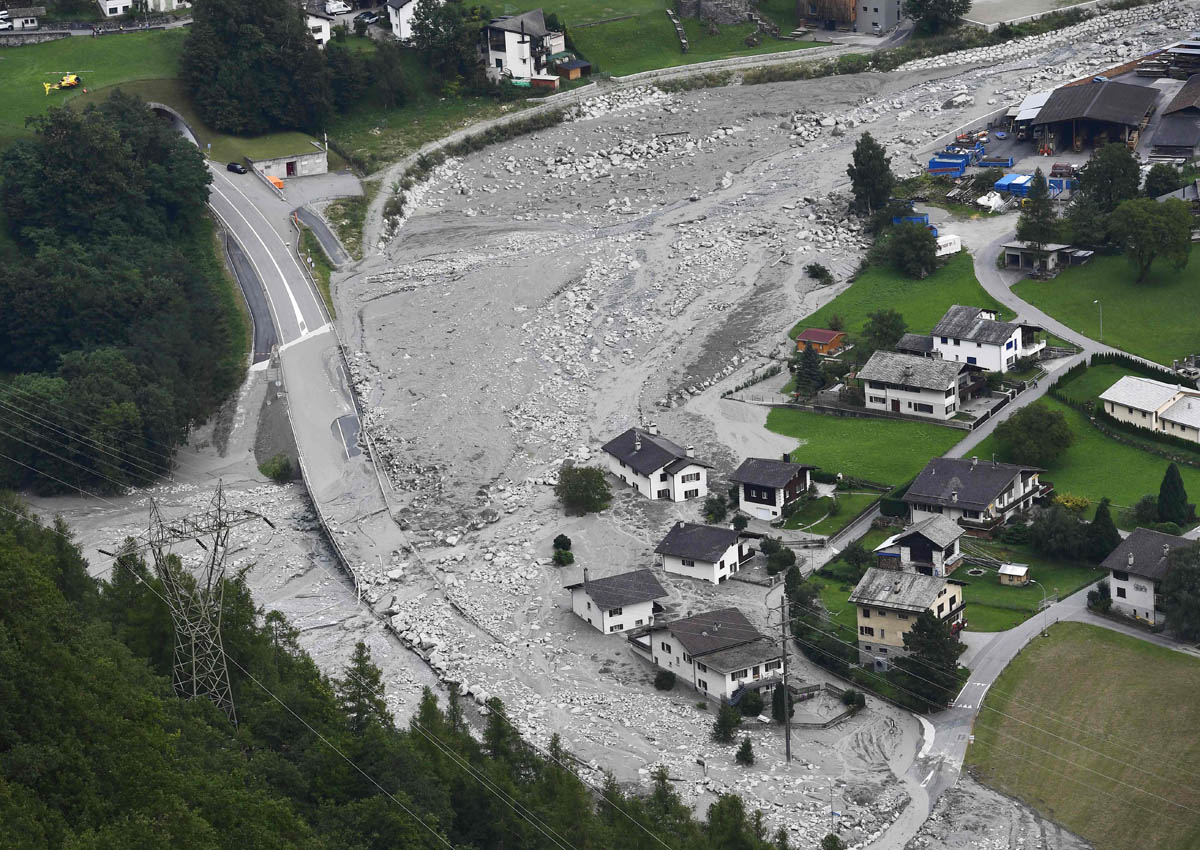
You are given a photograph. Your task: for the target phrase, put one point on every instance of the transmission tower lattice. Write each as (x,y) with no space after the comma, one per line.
(196,596)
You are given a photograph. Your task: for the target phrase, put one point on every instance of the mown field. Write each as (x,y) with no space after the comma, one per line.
(921,302)
(1146,318)
(1097,730)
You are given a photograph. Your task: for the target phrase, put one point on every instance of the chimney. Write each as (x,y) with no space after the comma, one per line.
(585,579)
(653,428)
(787,457)
(691,450)
(974,461)
(1131,559)
(954,496)
(637,440)
(1166,549)
(896,587)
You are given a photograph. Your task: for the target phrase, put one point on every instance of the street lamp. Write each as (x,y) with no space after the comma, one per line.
(1101,306)
(1043,587)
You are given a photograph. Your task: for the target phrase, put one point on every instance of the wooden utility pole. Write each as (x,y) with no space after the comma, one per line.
(787,695)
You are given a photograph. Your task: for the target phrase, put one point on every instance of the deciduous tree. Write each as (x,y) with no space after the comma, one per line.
(911,248)
(883,329)
(1111,176)
(1147,229)
(1162,178)
(582,489)
(1035,435)
(1181,591)
(936,15)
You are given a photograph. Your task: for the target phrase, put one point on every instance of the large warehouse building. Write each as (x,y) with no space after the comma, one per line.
(1093,114)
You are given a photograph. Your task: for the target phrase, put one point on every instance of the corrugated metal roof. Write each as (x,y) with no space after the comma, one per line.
(1116,103)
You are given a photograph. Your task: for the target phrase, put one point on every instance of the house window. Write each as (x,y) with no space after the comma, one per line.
(701,684)
(740,674)
(953,599)
(867,647)
(972,361)
(690,494)
(641,622)
(687,562)
(772,665)
(615,612)
(615,628)
(944,340)
(691,476)
(1008,344)
(881,613)
(882,634)
(662,476)
(665,647)
(866,630)
(1119,575)
(687,659)
(866,612)
(664,494)
(923,408)
(703,668)
(901,616)
(941,608)
(883,650)
(1121,592)
(878,399)
(956,342)
(589,606)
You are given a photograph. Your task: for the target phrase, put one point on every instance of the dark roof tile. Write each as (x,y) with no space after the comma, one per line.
(1149,550)
(624,589)
(767,473)
(697,542)
(963,482)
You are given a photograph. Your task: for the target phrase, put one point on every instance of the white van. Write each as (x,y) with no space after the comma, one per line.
(336,7)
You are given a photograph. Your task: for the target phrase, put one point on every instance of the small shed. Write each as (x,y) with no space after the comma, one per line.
(1016,575)
(302,163)
(26,18)
(823,340)
(1020,255)
(573,69)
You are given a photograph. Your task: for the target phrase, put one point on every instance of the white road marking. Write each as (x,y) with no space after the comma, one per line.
(260,366)
(279,271)
(345,448)
(325,328)
(929,732)
(257,271)
(925,781)
(317,302)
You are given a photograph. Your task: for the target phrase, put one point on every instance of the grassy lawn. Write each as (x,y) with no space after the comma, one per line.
(649,41)
(1141,318)
(1098,733)
(322,268)
(882,450)
(1096,465)
(834,596)
(347,215)
(922,302)
(993,607)
(100,62)
(1088,384)
(852,504)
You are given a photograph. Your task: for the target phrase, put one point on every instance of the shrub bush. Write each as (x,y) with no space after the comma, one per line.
(278,468)
(664,680)
(751,705)
(562,542)
(563,557)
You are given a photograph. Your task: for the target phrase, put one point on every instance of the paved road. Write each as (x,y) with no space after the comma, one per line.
(333,248)
(266,337)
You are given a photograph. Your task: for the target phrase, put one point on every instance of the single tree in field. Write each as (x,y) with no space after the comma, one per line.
(727,722)
(871,178)
(582,489)
(1162,178)
(745,753)
(1181,591)
(883,329)
(1112,176)
(360,693)
(1038,225)
(1035,435)
(1102,534)
(715,507)
(910,247)
(928,674)
(1147,230)
(936,15)
(1172,498)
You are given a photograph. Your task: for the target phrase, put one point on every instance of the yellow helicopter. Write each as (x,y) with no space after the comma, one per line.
(68,81)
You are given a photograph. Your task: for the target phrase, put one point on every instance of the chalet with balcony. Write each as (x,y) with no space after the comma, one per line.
(888,601)
(707,552)
(929,547)
(519,47)
(617,603)
(1136,569)
(718,653)
(766,487)
(656,467)
(916,386)
(978,495)
(974,336)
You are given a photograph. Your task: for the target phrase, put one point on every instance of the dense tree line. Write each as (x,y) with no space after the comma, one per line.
(96,751)
(115,318)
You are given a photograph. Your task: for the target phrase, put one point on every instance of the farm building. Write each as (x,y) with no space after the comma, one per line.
(1093,114)
(1178,132)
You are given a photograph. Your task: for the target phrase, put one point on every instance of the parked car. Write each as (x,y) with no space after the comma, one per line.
(5,24)
(368,17)
(236,168)
(336,7)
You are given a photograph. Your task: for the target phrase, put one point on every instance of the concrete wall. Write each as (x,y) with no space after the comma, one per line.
(705,570)
(722,12)
(19,39)
(630,616)
(307,163)
(1138,600)
(943,406)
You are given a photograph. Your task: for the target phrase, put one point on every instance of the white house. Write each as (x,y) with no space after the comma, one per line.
(916,386)
(718,653)
(400,16)
(766,487)
(1136,568)
(26,18)
(1158,406)
(974,336)
(705,552)
(112,8)
(318,20)
(518,46)
(656,467)
(616,603)
(975,494)
(929,547)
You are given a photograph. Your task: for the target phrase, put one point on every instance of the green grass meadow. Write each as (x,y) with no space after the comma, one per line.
(1147,319)
(1096,730)
(1096,465)
(921,302)
(887,451)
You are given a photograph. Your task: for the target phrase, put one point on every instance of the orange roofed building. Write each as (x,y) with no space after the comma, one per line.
(824,341)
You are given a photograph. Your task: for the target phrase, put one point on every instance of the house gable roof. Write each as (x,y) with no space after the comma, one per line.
(531,23)
(938,529)
(624,589)
(965,483)
(820,336)
(1149,550)
(1113,102)
(27,12)
(1140,393)
(767,473)
(707,543)
(915,344)
(1186,411)
(656,451)
(969,323)
(713,631)
(1186,99)
(737,658)
(897,590)
(892,367)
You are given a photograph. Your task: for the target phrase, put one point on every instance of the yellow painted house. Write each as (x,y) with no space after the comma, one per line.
(888,601)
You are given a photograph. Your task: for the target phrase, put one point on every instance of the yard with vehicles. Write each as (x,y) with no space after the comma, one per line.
(886,451)
(1096,730)
(1095,465)
(1141,318)
(921,302)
